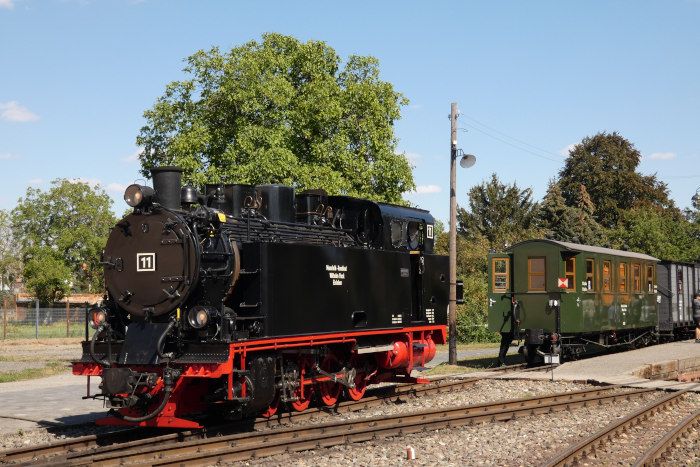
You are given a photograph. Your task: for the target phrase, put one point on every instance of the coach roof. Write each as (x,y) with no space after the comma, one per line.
(568,246)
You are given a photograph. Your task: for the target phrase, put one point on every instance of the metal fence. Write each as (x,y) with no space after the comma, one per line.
(34,322)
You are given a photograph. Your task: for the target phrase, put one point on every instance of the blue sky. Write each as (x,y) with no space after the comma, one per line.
(530,79)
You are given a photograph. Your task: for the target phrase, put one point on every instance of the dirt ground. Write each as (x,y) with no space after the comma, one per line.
(18,355)
(41,349)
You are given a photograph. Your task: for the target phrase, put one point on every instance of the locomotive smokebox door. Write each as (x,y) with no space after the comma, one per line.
(152,264)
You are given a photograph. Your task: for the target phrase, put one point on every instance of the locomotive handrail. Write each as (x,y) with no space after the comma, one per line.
(161,345)
(107,363)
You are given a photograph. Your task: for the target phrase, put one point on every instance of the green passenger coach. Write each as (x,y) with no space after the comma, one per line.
(564,298)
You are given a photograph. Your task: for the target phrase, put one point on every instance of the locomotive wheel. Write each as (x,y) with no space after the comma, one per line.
(272,408)
(303,392)
(303,400)
(330,390)
(358,391)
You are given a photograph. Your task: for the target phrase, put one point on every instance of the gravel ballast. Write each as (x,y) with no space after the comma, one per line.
(521,442)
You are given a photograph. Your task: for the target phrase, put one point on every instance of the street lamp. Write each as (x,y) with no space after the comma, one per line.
(696,196)
(466,161)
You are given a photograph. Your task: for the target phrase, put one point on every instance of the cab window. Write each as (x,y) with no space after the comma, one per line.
(415,236)
(536,274)
(398,234)
(500,274)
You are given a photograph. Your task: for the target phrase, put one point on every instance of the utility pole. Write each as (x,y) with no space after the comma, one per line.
(453,237)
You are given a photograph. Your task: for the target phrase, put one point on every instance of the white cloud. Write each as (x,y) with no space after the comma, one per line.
(565,151)
(133,157)
(14,112)
(662,155)
(412,157)
(116,188)
(93,182)
(7,4)
(35,181)
(425,190)
(6,155)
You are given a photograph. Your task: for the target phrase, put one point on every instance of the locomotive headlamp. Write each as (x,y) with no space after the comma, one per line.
(200,316)
(97,317)
(138,195)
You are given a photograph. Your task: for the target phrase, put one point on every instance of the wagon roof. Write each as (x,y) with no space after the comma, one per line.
(589,249)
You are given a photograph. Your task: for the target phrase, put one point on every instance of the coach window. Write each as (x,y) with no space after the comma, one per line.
(606,277)
(500,274)
(637,278)
(623,277)
(536,275)
(570,273)
(590,278)
(650,278)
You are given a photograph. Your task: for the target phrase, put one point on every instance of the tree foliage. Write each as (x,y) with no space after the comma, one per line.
(471,270)
(568,222)
(662,233)
(10,264)
(281,111)
(61,234)
(605,164)
(503,214)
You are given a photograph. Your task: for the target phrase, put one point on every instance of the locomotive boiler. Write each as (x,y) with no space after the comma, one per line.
(242,299)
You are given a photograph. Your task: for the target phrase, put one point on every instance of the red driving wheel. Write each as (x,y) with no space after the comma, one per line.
(330,390)
(360,380)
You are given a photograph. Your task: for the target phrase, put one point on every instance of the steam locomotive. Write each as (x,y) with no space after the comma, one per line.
(244,299)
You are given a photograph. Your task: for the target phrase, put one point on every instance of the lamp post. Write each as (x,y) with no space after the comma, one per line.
(466,161)
(696,196)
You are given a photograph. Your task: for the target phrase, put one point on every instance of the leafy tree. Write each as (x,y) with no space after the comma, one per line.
(471,270)
(504,214)
(566,222)
(663,233)
(61,234)
(281,111)
(10,264)
(46,274)
(605,165)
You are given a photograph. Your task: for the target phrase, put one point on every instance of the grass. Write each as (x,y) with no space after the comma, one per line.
(472,346)
(51,331)
(51,368)
(472,364)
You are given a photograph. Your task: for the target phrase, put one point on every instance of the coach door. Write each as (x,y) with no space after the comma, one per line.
(500,293)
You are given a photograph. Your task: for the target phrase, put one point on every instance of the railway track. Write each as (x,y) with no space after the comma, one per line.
(243,446)
(661,423)
(374,398)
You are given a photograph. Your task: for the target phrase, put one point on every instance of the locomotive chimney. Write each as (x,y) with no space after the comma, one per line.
(167,183)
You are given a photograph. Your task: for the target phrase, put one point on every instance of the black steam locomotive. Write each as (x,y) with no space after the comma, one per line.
(245,298)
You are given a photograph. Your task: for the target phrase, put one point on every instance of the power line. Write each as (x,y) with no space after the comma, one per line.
(545,151)
(516,146)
